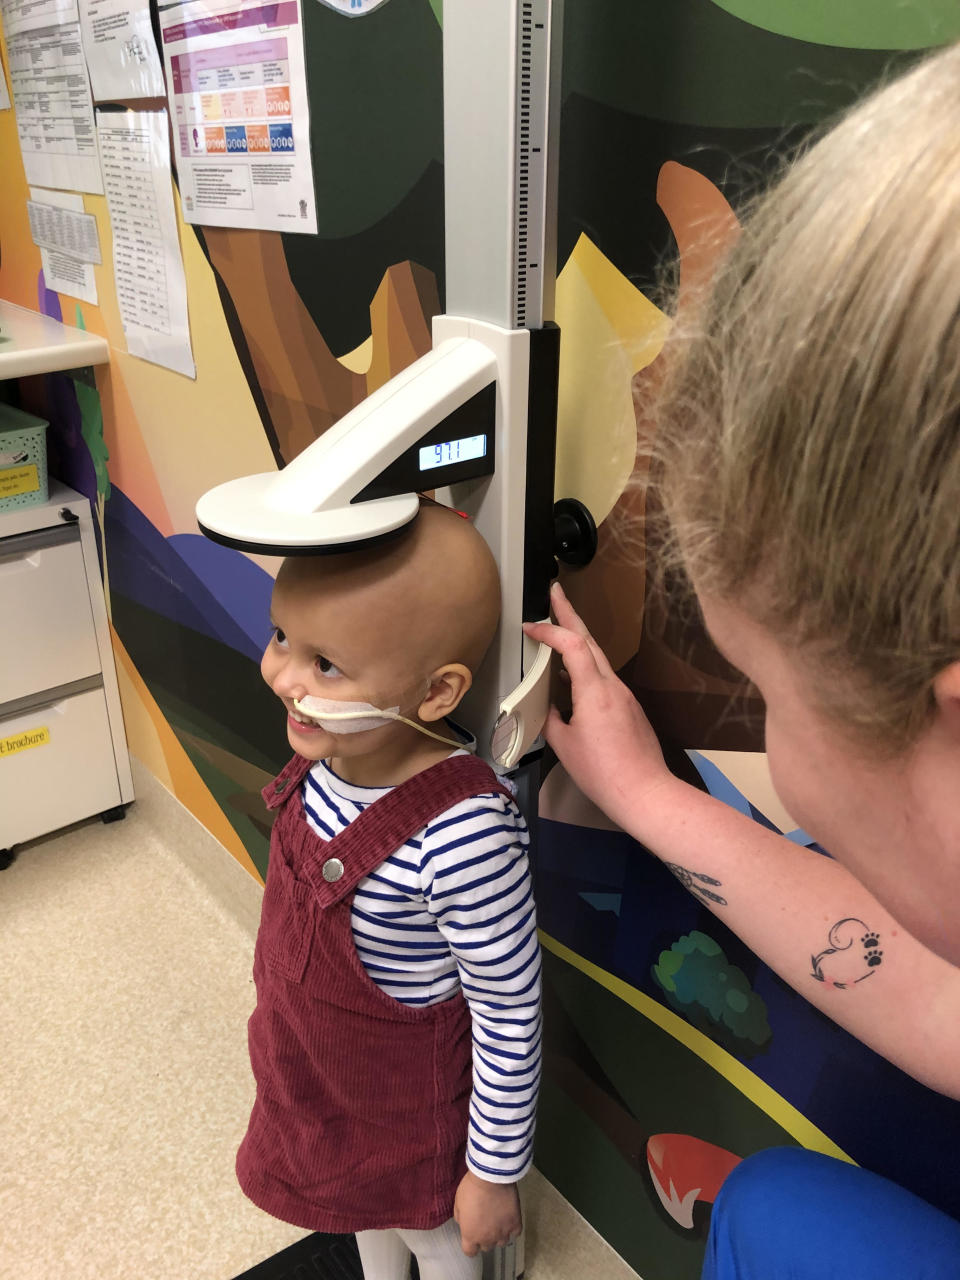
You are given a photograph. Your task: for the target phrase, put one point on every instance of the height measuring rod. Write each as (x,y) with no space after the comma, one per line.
(501,93)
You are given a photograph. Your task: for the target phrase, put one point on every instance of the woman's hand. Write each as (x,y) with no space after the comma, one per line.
(487,1213)
(608,746)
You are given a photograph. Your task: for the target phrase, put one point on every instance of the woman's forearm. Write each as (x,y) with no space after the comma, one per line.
(813,923)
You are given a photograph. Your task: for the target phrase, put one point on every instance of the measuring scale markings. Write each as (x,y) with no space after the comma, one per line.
(533,90)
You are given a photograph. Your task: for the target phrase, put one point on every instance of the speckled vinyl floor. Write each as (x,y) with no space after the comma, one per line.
(125,955)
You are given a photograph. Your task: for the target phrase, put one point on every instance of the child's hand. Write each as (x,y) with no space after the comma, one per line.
(488,1213)
(608,746)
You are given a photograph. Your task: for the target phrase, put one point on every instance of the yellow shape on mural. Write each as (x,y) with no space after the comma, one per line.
(177,436)
(610,332)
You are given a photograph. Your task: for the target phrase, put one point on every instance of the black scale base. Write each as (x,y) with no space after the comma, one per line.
(317,1257)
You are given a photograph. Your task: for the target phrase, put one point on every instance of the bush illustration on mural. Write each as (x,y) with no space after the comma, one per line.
(713,995)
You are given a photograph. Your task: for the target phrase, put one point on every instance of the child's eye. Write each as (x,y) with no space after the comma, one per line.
(280,637)
(326,667)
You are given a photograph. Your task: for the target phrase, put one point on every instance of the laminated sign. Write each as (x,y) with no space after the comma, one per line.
(238,105)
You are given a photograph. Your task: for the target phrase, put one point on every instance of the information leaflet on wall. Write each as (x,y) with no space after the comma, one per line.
(51,94)
(238,101)
(147,266)
(5,103)
(67,250)
(121,52)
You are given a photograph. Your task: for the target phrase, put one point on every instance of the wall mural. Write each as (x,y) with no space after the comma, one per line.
(671,1051)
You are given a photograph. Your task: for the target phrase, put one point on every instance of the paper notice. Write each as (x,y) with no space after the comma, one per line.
(5,103)
(28,15)
(147,266)
(51,94)
(62,272)
(121,52)
(71,233)
(238,99)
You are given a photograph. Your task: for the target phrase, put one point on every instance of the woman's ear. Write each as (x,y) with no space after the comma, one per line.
(946,694)
(448,684)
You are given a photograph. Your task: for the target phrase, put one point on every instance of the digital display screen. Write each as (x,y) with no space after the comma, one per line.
(451,451)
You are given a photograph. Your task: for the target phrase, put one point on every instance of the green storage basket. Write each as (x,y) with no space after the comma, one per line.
(23,459)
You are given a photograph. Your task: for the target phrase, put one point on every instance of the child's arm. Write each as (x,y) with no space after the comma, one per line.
(477,886)
(805,915)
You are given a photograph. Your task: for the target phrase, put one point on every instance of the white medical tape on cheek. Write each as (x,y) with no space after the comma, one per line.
(339,716)
(336,715)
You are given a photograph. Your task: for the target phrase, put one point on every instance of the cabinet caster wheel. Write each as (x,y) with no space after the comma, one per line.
(6,857)
(116,814)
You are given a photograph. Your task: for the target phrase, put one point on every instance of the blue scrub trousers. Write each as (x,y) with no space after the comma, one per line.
(790,1214)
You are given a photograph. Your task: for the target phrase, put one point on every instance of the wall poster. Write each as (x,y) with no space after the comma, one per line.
(51,94)
(238,103)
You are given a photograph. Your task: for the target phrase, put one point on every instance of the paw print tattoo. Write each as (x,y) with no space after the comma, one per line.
(836,969)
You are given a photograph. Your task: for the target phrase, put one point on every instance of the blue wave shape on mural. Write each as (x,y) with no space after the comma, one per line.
(721,788)
(153,571)
(238,585)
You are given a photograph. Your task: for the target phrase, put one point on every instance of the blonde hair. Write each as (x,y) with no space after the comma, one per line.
(808,427)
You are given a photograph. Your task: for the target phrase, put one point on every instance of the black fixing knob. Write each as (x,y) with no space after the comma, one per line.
(574,532)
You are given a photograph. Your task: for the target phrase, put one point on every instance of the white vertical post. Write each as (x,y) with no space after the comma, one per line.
(501,91)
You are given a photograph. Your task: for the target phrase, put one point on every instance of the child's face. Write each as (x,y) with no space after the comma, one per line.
(329,642)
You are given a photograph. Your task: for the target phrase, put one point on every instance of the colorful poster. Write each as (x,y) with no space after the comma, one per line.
(121,52)
(51,94)
(147,265)
(238,101)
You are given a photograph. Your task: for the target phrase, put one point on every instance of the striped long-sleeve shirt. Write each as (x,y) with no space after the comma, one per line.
(453,909)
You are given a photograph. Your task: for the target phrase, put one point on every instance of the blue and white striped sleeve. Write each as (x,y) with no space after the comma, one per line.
(477,886)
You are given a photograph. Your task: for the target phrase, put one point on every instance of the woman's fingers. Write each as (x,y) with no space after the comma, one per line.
(568,617)
(579,655)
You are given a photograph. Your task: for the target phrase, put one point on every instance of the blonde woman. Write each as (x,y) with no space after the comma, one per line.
(809,453)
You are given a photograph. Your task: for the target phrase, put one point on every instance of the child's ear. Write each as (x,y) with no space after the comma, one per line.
(448,684)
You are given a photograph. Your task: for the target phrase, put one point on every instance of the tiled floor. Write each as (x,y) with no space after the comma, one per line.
(125,955)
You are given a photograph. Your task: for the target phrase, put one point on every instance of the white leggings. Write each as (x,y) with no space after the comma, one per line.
(386,1254)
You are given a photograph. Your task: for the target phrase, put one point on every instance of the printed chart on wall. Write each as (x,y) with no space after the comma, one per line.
(147,266)
(238,101)
(51,94)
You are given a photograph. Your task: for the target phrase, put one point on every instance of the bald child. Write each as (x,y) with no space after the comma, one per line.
(395,1042)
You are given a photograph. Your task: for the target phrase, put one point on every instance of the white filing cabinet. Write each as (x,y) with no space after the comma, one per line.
(63,752)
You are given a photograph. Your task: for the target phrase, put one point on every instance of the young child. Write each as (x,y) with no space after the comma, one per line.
(395,1042)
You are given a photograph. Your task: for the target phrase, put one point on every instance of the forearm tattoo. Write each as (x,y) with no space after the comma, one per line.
(696,882)
(842,963)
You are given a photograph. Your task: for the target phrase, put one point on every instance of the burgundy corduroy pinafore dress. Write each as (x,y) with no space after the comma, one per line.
(360,1119)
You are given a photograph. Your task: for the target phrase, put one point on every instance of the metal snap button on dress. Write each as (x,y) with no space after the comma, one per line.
(332,869)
